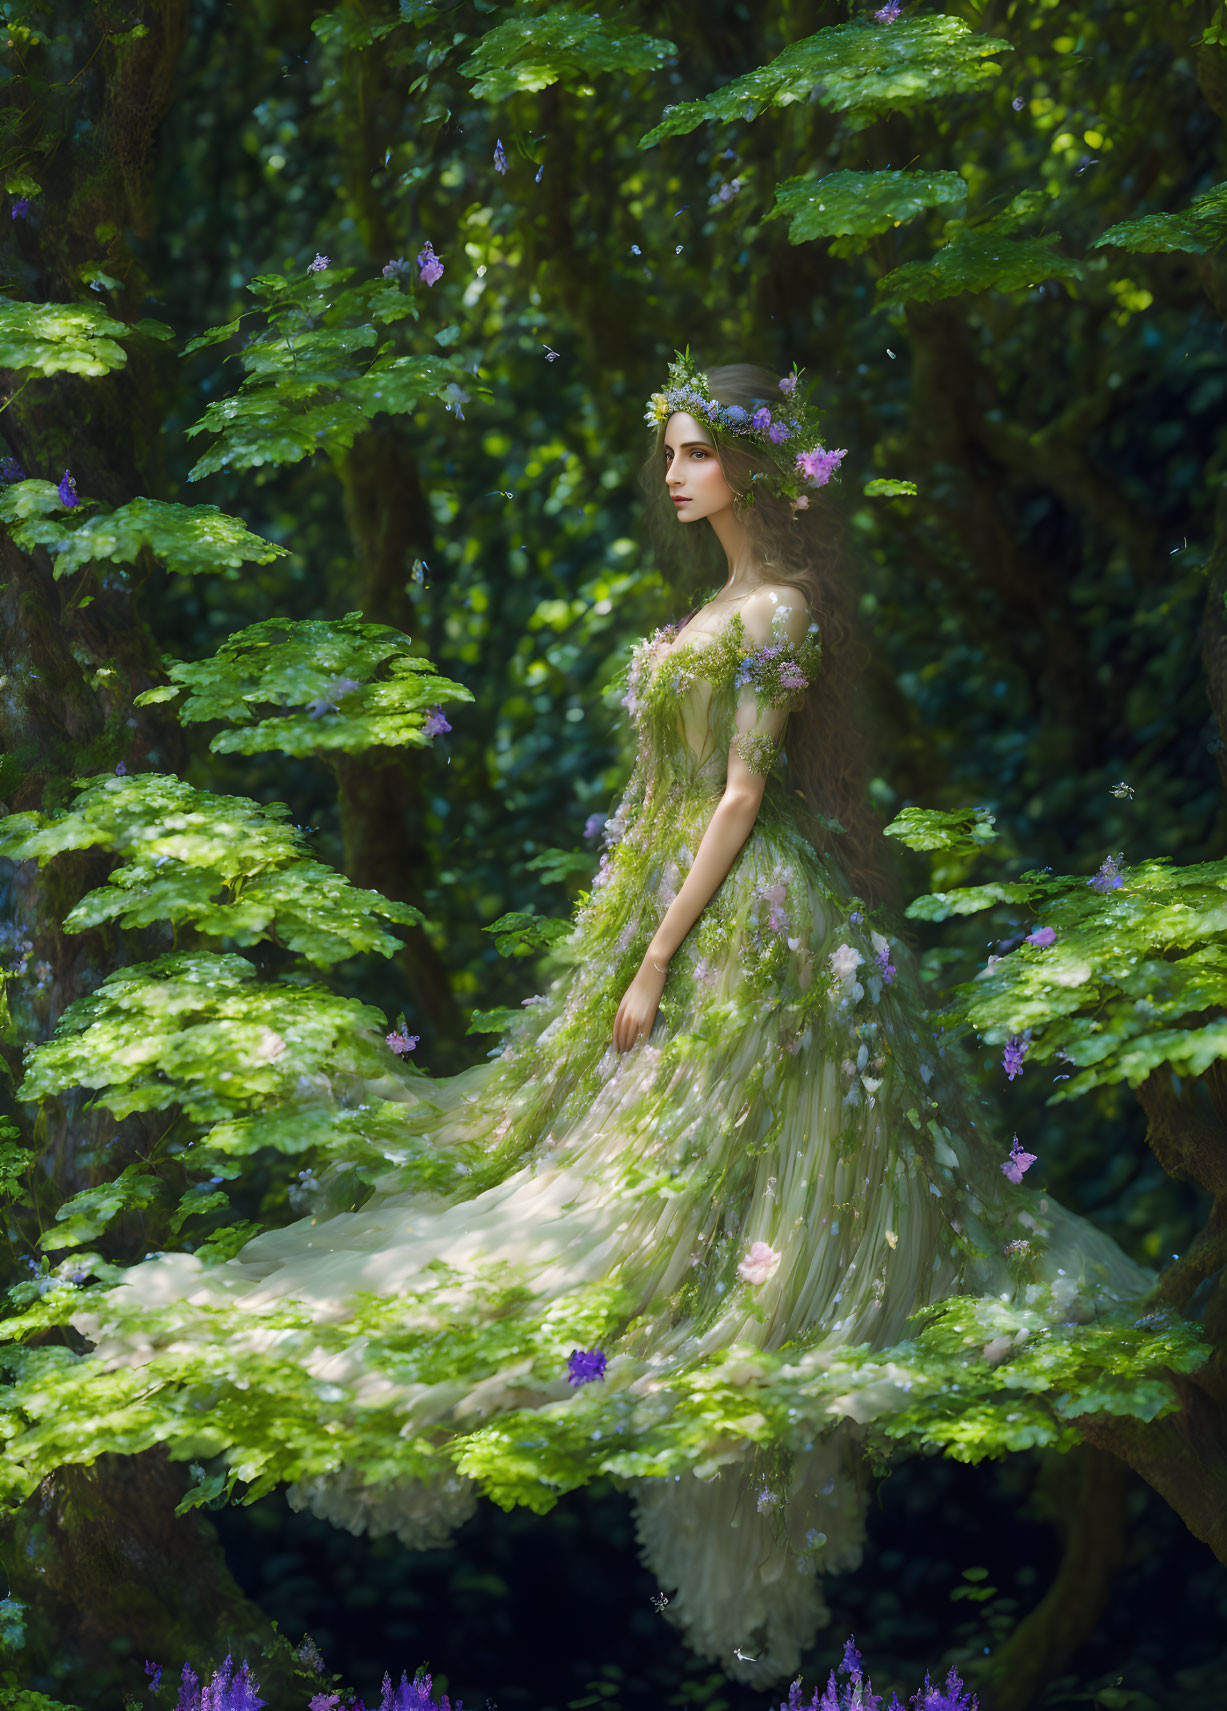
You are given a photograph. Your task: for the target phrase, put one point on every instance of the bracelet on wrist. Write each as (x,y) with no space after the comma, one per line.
(657,966)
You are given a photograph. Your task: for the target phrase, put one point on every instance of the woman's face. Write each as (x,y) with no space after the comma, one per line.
(693,475)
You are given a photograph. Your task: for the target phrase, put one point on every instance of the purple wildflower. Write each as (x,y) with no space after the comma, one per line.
(1018,1162)
(413,1695)
(766,1500)
(952,1697)
(888,13)
(778,432)
(1041,936)
(121,770)
(68,491)
(11,470)
(816,465)
(324,1702)
(788,385)
(760,421)
(593,824)
(584,1365)
(435,724)
(1108,878)
(396,269)
(402,1043)
(500,158)
(153,1673)
(1015,1052)
(20,208)
(189,1690)
(319,264)
(429,264)
(851,1664)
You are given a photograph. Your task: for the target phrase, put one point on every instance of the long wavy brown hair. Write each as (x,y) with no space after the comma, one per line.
(827,750)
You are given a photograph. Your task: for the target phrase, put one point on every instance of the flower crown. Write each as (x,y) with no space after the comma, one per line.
(789,429)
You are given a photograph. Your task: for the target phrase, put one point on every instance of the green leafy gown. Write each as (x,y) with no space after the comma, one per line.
(740,1213)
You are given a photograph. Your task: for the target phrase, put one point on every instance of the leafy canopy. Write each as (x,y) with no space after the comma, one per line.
(321,674)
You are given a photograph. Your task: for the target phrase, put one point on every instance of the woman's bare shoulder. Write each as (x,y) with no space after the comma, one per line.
(774,606)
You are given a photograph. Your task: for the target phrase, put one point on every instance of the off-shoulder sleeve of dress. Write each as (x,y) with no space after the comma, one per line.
(779,662)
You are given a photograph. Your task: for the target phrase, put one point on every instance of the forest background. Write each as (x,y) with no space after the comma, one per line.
(455,457)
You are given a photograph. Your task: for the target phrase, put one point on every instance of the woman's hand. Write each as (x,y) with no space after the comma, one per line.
(637,1011)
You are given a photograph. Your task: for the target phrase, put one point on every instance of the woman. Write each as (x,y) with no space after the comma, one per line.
(719,1155)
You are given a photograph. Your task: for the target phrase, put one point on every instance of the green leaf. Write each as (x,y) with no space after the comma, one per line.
(520,932)
(88,1213)
(1199,229)
(531,51)
(189,539)
(59,338)
(558,866)
(860,203)
(963,830)
(223,865)
(340,685)
(859,70)
(882,488)
(978,257)
(493,1021)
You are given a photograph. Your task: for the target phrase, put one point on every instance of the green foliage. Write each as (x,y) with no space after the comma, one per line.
(84,1217)
(978,257)
(311,668)
(190,539)
(185,846)
(860,70)
(286,1064)
(521,932)
(1199,229)
(39,339)
(530,51)
(857,204)
(961,830)
(317,373)
(1112,995)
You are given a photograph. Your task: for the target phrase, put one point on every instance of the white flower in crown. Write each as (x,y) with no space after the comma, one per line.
(759,1264)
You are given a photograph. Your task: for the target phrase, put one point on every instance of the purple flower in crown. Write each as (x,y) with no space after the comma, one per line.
(1015,1052)
(778,432)
(20,208)
(68,491)
(788,385)
(761,419)
(435,724)
(500,157)
(319,264)
(1018,1163)
(816,465)
(735,416)
(430,267)
(585,1365)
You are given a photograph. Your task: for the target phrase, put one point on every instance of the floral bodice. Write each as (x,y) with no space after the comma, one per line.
(691,701)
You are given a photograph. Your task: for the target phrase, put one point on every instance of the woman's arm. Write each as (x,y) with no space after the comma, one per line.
(726,831)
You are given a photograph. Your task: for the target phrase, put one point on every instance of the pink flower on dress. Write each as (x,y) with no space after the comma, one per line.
(759,1264)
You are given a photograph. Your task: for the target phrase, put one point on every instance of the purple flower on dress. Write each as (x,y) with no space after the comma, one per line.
(886,965)
(1015,1052)
(761,419)
(1041,936)
(431,268)
(792,677)
(435,724)
(777,919)
(1018,1162)
(766,1500)
(500,158)
(319,264)
(11,470)
(788,385)
(1108,878)
(20,208)
(593,824)
(68,491)
(585,1365)
(402,1043)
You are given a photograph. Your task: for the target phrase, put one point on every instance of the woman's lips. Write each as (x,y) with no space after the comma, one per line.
(678,501)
